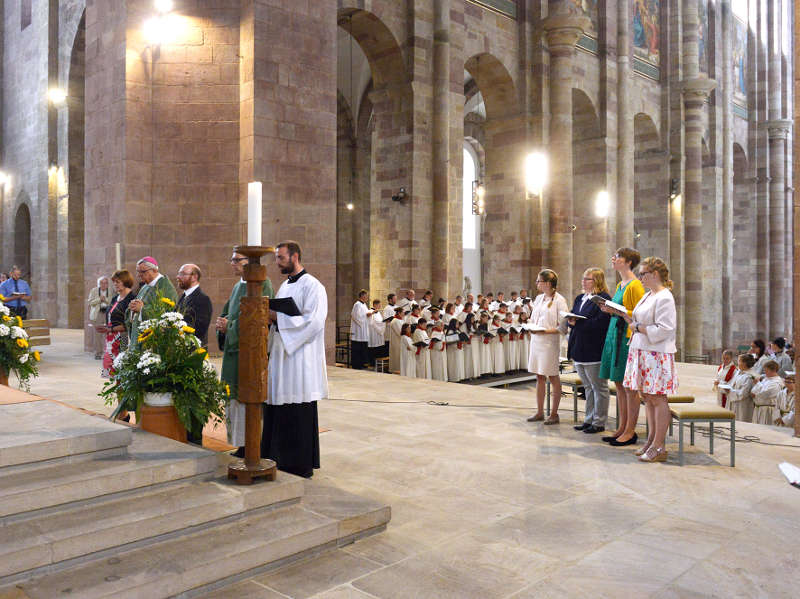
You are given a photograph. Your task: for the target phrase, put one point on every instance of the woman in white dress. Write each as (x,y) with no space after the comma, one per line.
(408,362)
(740,399)
(543,359)
(765,394)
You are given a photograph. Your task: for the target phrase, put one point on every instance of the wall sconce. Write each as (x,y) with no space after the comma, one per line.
(602,204)
(159,29)
(3,178)
(400,196)
(349,205)
(673,189)
(535,173)
(57,96)
(163,6)
(478,192)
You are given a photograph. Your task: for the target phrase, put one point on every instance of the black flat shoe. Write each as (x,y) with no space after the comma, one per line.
(582,427)
(609,439)
(632,441)
(239,453)
(591,430)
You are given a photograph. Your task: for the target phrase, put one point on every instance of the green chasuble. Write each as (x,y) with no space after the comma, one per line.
(150,296)
(230,356)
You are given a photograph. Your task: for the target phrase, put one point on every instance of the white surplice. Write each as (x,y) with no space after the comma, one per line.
(438,353)
(395,343)
(765,399)
(297,371)
(408,362)
(422,354)
(740,400)
(377,328)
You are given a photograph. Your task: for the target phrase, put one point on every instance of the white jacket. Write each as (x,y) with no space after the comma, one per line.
(655,314)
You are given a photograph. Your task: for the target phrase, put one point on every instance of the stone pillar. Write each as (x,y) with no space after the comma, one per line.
(696,88)
(796,195)
(778,131)
(625,133)
(563,32)
(727,174)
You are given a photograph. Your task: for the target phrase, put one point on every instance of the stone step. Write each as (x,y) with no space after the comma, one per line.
(44,431)
(56,540)
(150,460)
(173,567)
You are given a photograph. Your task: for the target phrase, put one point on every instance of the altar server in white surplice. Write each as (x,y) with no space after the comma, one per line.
(740,400)
(438,352)
(377,328)
(297,373)
(784,410)
(387,314)
(408,362)
(395,341)
(765,394)
(422,354)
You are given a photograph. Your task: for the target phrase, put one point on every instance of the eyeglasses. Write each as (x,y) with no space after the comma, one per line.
(644,272)
(143,271)
(237,260)
(588,279)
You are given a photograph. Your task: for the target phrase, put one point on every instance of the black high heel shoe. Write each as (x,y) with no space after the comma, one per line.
(632,441)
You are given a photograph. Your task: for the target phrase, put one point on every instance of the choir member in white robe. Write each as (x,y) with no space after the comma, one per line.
(377,328)
(740,400)
(484,346)
(359,332)
(465,326)
(408,361)
(510,343)
(395,342)
(438,352)
(524,341)
(784,411)
(414,316)
(496,344)
(297,376)
(388,313)
(407,301)
(455,360)
(426,300)
(422,353)
(765,394)
(458,305)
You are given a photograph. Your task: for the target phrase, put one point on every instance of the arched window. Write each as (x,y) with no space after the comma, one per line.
(471,221)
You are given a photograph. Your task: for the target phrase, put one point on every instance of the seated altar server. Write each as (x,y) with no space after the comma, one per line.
(438,352)
(408,361)
(422,354)
(297,376)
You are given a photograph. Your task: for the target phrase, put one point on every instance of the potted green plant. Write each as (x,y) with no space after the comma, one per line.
(167,371)
(15,353)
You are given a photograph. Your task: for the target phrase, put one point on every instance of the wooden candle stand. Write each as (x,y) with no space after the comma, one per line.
(253,337)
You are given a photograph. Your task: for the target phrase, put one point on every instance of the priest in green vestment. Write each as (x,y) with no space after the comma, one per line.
(154,287)
(227,326)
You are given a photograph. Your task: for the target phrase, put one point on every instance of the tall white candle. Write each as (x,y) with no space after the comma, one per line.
(118,255)
(254,213)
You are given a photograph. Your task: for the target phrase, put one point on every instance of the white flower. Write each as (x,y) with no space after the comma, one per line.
(147,324)
(4,309)
(207,365)
(23,358)
(146,371)
(118,360)
(18,333)
(181,324)
(148,359)
(4,330)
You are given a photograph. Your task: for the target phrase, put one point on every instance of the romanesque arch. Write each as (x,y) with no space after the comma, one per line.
(22,237)
(744,274)
(651,189)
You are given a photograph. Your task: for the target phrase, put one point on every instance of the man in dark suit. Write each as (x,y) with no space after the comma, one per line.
(193,303)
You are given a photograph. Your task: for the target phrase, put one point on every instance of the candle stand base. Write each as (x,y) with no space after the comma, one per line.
(245,475)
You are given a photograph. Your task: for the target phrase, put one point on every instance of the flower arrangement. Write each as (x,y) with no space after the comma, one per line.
(15,353)
(168,359)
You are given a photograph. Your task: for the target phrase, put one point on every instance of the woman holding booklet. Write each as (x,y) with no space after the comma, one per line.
(615,349)
(589,326)
(651,359)
(546,336)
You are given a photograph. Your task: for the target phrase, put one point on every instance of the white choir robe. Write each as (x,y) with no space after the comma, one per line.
(498,353)
(426,314)
(412,320)
(438,353)
(395,344)
(388,312)
(297,369)
(475,347)
(765,399)
(459,308)
(511,351)
(359,322)
(486,353)
(455,363)
(469,360)
(408,359)
(422,355)
(377,328)
(740,400)
(784,410)
(523,348)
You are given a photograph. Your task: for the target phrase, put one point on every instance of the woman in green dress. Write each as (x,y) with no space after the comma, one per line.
(615,350)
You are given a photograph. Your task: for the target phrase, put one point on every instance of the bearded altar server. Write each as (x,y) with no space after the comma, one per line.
(438,352)
(227,327)
(395,339)
(155,286)
(408,358)
(297,373)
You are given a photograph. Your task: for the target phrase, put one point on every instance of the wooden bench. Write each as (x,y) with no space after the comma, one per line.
(574,382)
(672,399)
(38,330)
(711,414)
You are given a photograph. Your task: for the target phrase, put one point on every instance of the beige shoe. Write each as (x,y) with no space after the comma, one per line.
(554,419)
(642,450)
(654,455)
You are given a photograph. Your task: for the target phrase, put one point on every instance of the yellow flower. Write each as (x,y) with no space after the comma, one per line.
(37,356)
(144,335)
(22,343)
(2,298)
(6,318)
(228,390)
(168,301)
(200,350)
(19,321)
(187,329)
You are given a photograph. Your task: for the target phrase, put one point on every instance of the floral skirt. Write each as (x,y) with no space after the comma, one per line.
(651,372)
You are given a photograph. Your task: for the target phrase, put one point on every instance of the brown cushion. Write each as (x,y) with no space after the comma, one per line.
(691,411)
(680,398)
(571,379)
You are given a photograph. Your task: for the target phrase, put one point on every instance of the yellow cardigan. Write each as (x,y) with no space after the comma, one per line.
(633,293)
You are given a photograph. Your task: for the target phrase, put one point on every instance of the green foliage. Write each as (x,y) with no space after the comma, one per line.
(168,359)
(16,356)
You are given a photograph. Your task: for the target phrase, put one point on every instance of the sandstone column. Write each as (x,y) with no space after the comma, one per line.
(563,32)
(796,195)
(727,174)
(625,150)
(696,88)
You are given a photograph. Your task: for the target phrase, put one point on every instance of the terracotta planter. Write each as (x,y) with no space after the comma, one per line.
(162,419)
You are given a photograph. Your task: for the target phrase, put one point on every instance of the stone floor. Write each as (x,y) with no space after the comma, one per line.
(487,505)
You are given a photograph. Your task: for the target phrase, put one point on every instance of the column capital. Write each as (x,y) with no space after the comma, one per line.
(564,27)
(698,87)
(779,128)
